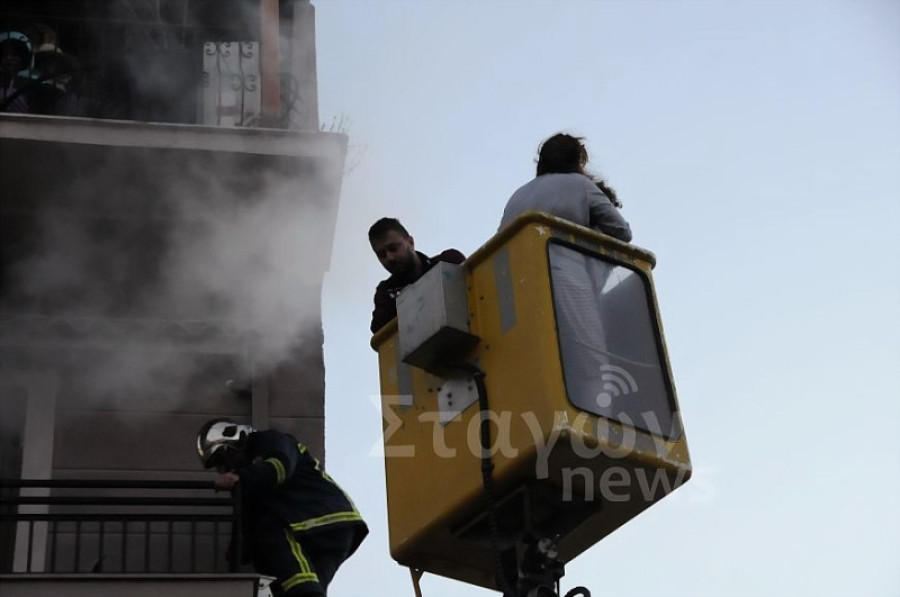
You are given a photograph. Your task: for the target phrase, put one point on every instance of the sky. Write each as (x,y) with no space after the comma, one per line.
(756,148)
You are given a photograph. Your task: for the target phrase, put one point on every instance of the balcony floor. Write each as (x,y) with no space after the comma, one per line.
(133,585)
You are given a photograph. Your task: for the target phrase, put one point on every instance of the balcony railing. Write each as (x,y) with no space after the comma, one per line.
(91,526)
(195,63)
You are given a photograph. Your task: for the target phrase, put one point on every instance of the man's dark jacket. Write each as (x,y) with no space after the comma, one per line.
(387,291)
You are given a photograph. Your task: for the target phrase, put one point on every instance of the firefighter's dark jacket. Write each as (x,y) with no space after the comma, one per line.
(286,482)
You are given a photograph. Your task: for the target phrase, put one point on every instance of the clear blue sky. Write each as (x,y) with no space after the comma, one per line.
(756,146)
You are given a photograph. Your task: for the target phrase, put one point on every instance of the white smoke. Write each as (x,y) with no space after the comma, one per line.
(221,247)
(138,256)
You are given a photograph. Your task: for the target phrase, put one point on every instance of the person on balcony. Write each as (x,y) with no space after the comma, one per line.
(299,525)
(51,90)
(16,61)
(396,250)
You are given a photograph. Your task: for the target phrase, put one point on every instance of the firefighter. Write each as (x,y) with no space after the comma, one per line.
(299,525)
(16,59)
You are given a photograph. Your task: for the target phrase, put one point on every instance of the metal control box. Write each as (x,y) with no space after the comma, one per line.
(433,318)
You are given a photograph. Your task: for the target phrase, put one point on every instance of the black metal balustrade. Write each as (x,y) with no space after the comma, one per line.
(110,526)
(190,61)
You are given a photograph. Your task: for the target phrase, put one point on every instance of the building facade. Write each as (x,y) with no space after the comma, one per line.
(167,208)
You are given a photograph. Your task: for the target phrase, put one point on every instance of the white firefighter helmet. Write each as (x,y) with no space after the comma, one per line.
(218,437)
(20,44)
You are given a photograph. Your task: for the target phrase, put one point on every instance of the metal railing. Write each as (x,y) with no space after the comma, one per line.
(137,65)
(117,526)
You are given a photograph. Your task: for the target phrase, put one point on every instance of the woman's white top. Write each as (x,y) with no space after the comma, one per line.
(571,196)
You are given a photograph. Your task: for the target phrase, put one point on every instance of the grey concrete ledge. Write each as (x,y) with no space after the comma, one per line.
(133,585)
(129,133)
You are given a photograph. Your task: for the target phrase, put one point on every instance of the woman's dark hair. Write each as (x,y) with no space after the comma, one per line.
(608,191)
(563,154)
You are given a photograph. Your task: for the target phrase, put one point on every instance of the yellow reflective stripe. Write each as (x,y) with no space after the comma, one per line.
(327,519)
(306,574)
(280,473)
(298,552)
(298,579)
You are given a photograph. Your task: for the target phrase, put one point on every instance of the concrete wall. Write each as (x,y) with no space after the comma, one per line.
(136,279)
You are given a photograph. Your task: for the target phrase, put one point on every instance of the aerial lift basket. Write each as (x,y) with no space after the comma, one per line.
(556,329)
